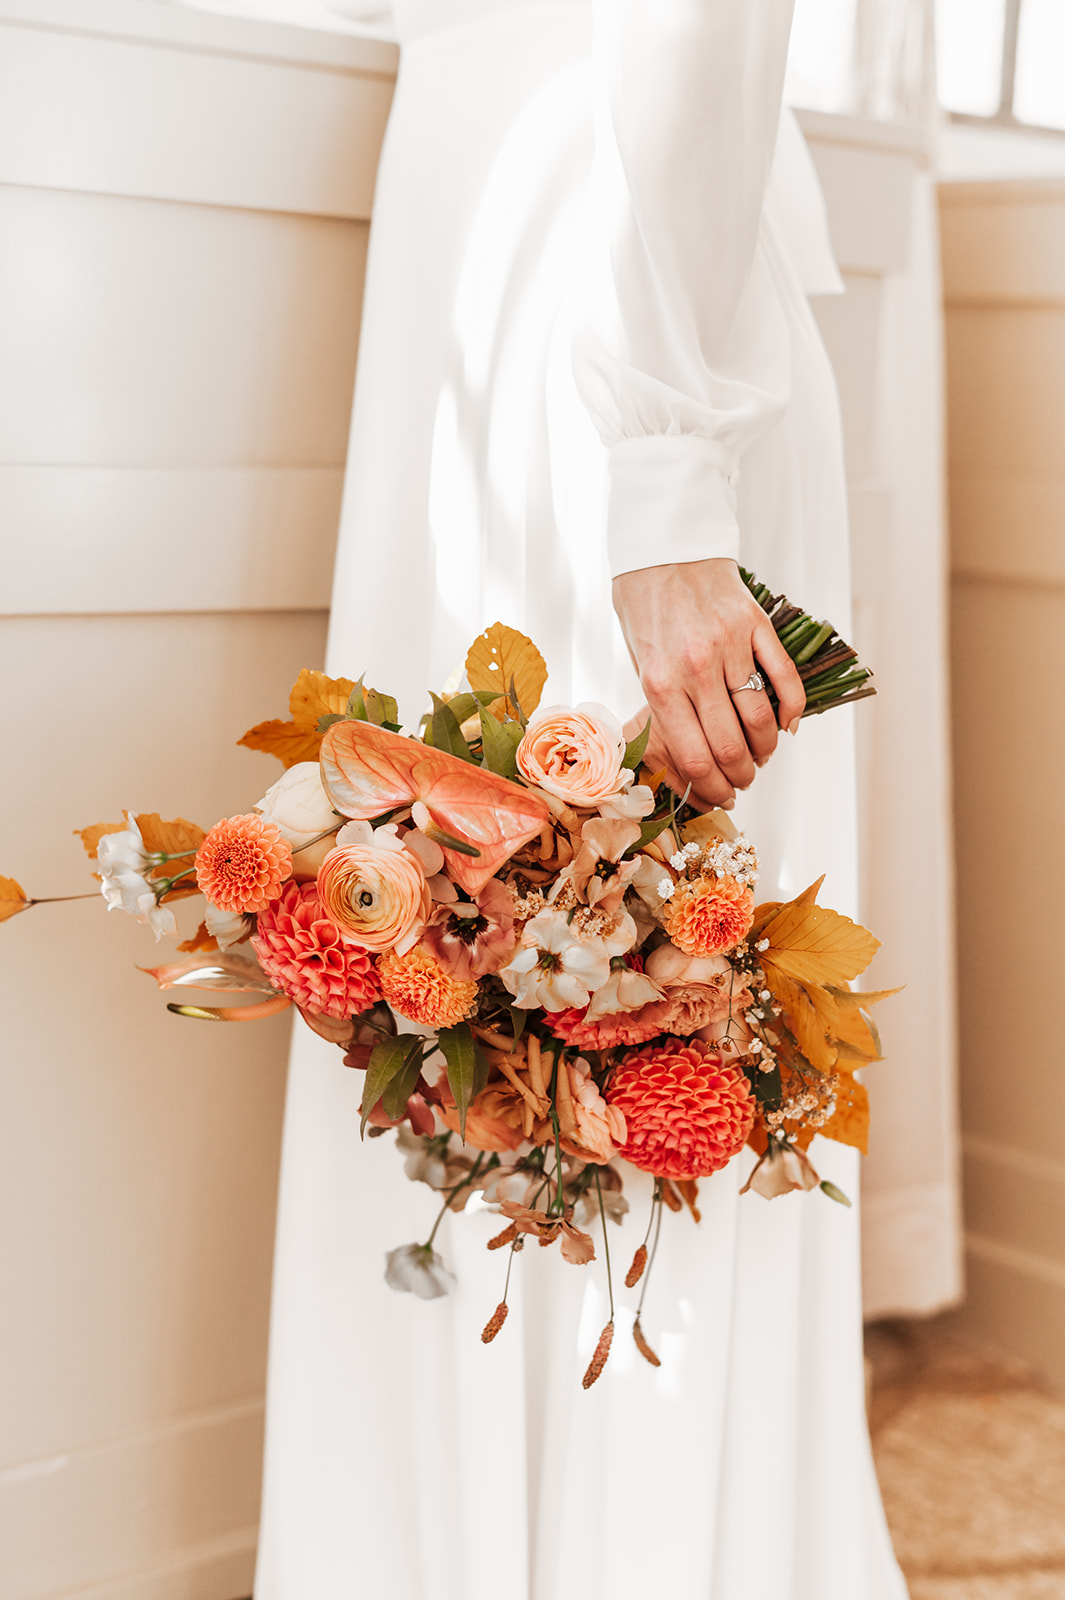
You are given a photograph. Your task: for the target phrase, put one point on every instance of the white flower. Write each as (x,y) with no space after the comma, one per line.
(554,968)
(124,883)
(298,804)
(782,1169)
(228,927)
(624,990)
(632,806)
(415,1269)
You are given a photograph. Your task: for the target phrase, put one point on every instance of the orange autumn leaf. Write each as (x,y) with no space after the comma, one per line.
(91,836)
(13,899)
(284,740)
(849,1123)
(313,695)
(499,657)
(815,945)
(201,941)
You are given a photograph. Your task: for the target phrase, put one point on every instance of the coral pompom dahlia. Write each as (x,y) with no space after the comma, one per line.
(306,956)
(242,863)
(709,915)
(619,1028)
(687,1113)
(419,988)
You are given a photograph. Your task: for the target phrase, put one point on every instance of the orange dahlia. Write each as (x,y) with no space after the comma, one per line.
(686,1112)
(242,863)
(708,915)
(422,991)
(307,957)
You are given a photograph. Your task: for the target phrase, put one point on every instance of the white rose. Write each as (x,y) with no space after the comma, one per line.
(298,804)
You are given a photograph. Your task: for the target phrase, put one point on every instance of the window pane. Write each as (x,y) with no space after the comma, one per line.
(969,53)
(822,55)
(1039,95)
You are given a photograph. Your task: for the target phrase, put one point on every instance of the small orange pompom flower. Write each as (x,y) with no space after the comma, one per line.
(709,915)
(421,990)
(686,1112)
(242,863)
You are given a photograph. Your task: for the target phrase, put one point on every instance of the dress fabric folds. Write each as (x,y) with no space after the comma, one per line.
(564,373)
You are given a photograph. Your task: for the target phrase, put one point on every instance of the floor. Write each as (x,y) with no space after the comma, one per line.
(971,1456)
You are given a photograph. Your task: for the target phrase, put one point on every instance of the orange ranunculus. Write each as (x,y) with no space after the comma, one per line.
(575,755)
(376,894)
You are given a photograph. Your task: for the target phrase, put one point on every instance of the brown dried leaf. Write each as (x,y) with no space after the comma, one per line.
(636,1271)
(642,1346)
(200,941)
(289,743)
(12,899)
(315,695)
(670,1195)
(849,1123)
(175,838)
(688,1189)
(501,655)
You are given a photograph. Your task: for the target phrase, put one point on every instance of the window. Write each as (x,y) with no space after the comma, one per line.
(1002,61)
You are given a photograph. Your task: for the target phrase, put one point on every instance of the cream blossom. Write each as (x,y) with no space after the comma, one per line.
(298,805)
(575,754)
(554,968)
(415,1269)
(227,927)
(633,804)
(782,1169)
(597,873)
(624,990)
(124,862)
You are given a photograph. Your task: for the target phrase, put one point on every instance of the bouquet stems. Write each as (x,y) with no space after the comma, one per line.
(829,668)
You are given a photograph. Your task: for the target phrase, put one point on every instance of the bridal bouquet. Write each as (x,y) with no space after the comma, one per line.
(543,962)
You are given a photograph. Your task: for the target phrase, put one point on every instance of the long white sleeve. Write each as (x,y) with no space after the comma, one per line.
(681,350)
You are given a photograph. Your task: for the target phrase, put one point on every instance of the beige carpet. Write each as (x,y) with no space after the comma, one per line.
(971,1456)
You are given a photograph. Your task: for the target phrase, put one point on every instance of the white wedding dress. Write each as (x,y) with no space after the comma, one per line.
(515,297)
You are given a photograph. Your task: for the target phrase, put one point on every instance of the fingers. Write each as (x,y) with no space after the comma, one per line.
(778,667)
(754,710)
(723,730)
(678,743)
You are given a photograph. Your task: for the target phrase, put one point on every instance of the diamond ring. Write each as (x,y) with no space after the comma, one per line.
(755,681)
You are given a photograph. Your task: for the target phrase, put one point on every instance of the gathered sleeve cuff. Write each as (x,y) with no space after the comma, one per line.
(672,498)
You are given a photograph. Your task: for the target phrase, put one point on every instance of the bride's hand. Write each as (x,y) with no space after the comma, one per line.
(694,632)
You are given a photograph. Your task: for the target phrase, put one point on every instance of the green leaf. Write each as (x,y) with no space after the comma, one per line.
(447,735)
(388,1060)
(327,721)
(463,706)
(394,1100)
(518,1020)
(634,750)
(499,741)
(467,1067)
(356,707)
(381,708)
(650,830)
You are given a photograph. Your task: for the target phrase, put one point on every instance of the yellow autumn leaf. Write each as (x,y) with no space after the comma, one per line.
(91,836)
(13,899)
(810,1013)
(315,695)
(502,655)
(849,1123)
(769,908)
(856,1032)
(815,945)
(289,743)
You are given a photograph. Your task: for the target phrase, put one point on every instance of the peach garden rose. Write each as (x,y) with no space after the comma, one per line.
(576,754)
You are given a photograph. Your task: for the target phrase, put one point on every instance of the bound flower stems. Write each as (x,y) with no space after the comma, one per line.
(829,668)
